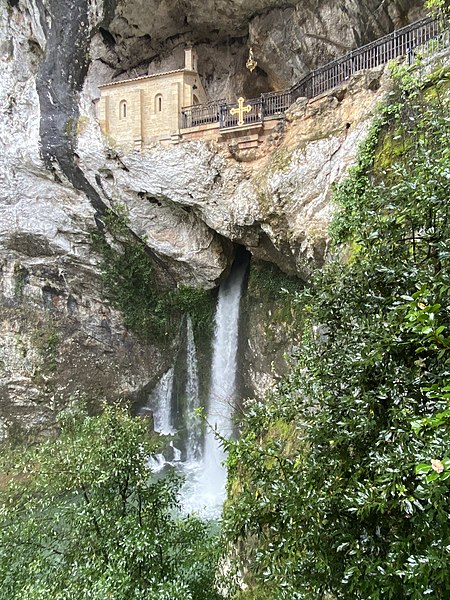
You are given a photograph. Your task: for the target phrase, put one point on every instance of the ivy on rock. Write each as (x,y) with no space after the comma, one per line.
(149,307)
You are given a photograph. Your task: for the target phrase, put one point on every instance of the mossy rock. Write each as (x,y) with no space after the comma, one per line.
(280,160)
(392,147)
(270,286)
(396,144)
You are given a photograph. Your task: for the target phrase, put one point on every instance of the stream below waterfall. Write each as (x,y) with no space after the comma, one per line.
(194,449)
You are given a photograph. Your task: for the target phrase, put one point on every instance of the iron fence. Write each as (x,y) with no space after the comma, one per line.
(230,118)
(201,114)
(427,34)
(276,103)
(270,105)
(402,42)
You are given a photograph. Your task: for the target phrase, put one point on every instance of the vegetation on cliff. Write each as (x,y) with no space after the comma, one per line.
(340,482)
(150,308)
(441,8)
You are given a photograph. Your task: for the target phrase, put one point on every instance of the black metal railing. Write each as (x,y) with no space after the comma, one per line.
(201,114)
(427,34)
(267,106)
(402,42)
(230,118)
(276,103)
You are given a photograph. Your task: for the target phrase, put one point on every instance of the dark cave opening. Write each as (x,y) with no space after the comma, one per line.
(256,83)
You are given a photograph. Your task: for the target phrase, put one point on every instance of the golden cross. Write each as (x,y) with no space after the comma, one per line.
(241,110)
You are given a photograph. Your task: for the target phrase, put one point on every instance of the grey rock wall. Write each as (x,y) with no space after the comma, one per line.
(192,202)
(59,336)
(290,37)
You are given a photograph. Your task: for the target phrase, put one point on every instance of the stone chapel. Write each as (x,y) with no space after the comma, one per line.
(136,112)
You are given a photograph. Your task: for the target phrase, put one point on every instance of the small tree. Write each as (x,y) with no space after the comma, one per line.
(82,516)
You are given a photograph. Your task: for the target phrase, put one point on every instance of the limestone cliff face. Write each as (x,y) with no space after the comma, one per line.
(192,202)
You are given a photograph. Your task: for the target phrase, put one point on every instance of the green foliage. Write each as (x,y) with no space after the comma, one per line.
(261,593)
(20,280)
(82,516)
(439,8)
(149,309)
(46,339)
(356,504)
(266,280)
(197,303)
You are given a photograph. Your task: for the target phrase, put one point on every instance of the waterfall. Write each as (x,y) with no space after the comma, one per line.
(172,403)
(176,397)
(192,420)
(222,395)
(204,491)
(160,404)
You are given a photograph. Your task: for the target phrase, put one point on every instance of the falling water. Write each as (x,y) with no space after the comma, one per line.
(175,406)
(160,404)
(202,465)
(205,487)
(193,421)
(222,395)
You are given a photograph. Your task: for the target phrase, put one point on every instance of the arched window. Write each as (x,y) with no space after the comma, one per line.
(158,103)
(123,109)
(195,99)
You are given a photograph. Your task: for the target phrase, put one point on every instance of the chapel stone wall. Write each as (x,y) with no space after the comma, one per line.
(135,113)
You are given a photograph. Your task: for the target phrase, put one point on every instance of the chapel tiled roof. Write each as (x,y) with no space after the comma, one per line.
(103,85)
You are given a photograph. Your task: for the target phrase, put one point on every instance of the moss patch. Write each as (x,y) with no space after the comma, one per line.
(46,339)
(395,142)
(273,288)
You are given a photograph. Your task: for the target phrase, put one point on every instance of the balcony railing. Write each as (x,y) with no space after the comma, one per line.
(276,103)
(427,34)
(230,119)
(402,42)
(201,114)
(267,106)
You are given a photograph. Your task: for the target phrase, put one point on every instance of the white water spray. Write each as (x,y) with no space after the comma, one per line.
(160,404)
(222,395)
(205,487)
(203,468)
(193,421)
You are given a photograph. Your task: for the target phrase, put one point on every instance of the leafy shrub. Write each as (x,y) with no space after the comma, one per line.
(150,309)
(82,516)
